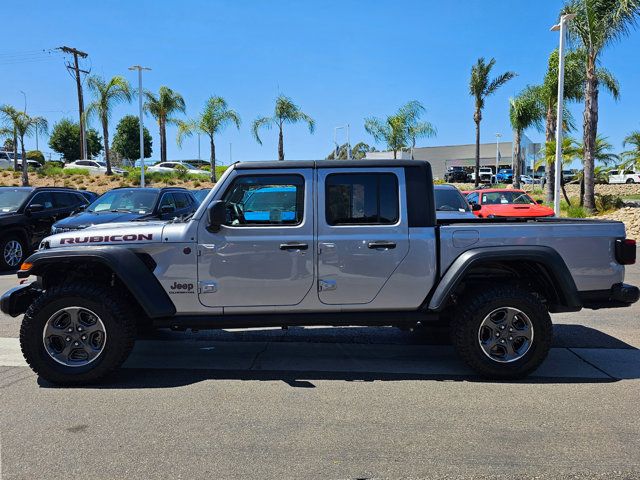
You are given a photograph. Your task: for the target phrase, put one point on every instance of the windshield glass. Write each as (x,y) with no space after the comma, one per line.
(505,170)
(450,200)
(506,197)
(201,195)
(187,165)
(10,200)
(135,201)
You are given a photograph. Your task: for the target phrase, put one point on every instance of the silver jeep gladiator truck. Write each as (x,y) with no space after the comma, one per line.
(316,243)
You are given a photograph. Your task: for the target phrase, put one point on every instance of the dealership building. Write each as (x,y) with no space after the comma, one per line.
(443,157)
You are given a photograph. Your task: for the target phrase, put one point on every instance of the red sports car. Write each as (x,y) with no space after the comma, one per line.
(497,202)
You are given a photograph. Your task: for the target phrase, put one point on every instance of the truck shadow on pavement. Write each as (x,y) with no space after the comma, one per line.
(299,357)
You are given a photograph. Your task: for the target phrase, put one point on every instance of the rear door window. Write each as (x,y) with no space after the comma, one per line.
(361,199)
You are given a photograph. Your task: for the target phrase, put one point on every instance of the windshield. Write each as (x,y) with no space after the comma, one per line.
(187,165)
(134,201)
(201,195)
(450,200)
(505,170)
(506,197)
(10,200)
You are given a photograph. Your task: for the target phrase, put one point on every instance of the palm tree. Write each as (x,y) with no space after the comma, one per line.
(570,151)
(161,107)
(412,112)
(525,111)
(632,157)
(213,119)
(480,87)
(602,154)
(106,96)
(392,130)
(25,126)
(574,81)
(10,116)
(598,23)
(285,112)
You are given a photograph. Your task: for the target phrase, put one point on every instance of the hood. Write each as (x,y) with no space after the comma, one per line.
(109,234)
(86,219)
(511,210)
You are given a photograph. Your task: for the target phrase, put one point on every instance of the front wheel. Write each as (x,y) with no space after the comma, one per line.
(630,180)
(502,332)
(77,333)
(13,250)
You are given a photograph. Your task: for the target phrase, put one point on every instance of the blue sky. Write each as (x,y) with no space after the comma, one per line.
(339,60)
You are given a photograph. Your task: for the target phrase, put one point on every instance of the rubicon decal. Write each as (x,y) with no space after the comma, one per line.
(128,237)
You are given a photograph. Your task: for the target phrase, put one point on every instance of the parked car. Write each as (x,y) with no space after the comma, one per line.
(529,180)
(568,176)
(624,176)
(495,202)
(33,164)
(172,166)
(26,216)
(6,159)
(200,194)
(451,204)
(456,175)
(364,248)
(504,175)
(126,204)
(486,175)
(94,166)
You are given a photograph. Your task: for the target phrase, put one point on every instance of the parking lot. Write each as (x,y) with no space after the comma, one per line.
(331,403)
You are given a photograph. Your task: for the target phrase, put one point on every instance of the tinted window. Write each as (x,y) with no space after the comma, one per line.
(450,200)
(65,199)
(43,198)
(167,200)
(472,197)
(355,198)
(182,200)
(265,200)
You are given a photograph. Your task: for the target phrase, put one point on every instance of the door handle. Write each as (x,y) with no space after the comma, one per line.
(294,246)
(388,245)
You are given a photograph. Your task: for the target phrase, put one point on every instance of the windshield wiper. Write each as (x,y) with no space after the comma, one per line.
(120,210)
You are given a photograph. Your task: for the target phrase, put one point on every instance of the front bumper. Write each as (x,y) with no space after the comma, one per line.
(16,301)
(620,295)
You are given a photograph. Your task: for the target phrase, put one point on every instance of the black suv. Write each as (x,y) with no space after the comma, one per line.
(456,175)
(26,216)
(131,203)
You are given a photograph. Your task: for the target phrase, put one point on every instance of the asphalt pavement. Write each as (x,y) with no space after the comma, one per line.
(339,403)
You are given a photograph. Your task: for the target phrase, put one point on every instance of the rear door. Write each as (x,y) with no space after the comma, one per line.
(362,232)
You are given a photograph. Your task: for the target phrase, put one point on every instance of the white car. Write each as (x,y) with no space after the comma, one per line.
(624,176)
(486,175)
(529,180)
(172,166)
(94,166)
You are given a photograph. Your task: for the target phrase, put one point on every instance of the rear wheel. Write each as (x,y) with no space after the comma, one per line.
(630,180)
(77,333)
(502,332)
(13,251)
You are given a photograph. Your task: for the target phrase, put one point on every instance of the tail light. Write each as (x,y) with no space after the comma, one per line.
(626,251)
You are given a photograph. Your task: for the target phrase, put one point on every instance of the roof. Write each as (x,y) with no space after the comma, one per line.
(30,189)
(150,189)
(294,164)
(493,190)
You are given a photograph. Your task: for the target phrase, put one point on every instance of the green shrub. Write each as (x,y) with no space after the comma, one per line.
(35,155)
(51,170)
(75,171)
(605,203)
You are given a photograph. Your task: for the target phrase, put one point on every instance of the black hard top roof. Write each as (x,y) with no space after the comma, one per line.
(293,164)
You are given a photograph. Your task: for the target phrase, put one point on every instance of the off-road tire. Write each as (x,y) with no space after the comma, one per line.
(115,313)
(475,306)
(4,241)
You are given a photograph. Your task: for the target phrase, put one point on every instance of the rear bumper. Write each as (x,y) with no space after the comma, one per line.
(16,301)
(620,295)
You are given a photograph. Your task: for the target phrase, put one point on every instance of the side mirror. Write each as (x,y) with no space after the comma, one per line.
(35,207)
(475,207)
(539,202)
(217,216)
(167,209)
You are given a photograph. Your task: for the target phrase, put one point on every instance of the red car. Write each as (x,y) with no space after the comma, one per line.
(502,202)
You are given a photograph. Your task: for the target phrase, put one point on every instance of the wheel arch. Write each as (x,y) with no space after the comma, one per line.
(540,267)
(133,271)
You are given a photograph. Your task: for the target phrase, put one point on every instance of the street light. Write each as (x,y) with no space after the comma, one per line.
(498,135)
(562,28)
(140,69)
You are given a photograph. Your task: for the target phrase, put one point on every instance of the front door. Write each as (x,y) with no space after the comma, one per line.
(362,232)
(264,254)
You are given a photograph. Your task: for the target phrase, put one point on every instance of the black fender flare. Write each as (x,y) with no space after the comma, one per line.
(123,262)
(549,258)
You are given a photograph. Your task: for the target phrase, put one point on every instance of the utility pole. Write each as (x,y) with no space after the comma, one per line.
(76,68)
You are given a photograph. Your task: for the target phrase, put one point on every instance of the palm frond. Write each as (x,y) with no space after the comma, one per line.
(258,123)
